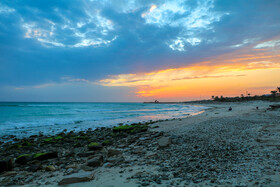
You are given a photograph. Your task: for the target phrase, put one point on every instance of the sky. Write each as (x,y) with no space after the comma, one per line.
(137,50)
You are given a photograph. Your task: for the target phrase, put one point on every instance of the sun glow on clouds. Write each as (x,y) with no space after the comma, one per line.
(228,74)
(150,10)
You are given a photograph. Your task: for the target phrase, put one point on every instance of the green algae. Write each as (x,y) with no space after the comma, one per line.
(23,155)
(133,128)
(36,155)
(107,142)
(53,139)
(93,144)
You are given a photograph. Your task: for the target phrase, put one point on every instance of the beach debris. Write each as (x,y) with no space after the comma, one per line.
(164,142)
(77,178)
(257,108)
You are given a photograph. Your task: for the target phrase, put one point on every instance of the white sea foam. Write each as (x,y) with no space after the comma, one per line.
(24,119)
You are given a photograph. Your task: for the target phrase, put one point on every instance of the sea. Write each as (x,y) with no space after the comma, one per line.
(23,119)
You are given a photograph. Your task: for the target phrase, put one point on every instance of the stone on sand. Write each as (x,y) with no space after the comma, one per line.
(113,152)
(96,161)
(164,142)
(50,168)
(77,178)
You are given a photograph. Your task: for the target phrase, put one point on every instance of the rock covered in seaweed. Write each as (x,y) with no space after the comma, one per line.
(45,156)
(23,159)
(94,146)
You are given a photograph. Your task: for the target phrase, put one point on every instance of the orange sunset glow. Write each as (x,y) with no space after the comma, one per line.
(252,70)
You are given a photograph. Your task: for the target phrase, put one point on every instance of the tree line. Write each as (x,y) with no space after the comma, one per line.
(273,96)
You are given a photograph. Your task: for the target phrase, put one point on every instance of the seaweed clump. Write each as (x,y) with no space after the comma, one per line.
(133,128)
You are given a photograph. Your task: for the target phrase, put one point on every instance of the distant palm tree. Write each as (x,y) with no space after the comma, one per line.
(213,97)
(278,88)
(273,92)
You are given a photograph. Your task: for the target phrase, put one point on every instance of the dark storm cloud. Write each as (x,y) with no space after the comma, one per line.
(43,41)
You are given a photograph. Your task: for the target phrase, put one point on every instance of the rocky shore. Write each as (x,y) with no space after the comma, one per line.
(215,148)
(33,160)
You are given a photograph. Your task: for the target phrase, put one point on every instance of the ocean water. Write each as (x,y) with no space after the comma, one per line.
(25,119)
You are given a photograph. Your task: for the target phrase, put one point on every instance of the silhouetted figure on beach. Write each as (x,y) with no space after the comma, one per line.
(257,108)
(230,109)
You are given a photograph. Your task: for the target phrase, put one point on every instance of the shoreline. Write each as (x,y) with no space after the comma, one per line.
(9,138)
(82,117)
(215,147)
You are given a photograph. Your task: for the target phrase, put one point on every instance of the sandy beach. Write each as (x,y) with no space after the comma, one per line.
(139,93)
(214,148)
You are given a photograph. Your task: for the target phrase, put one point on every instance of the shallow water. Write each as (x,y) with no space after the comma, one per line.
(24,119)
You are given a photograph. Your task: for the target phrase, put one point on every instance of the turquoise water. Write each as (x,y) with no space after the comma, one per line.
(24,119)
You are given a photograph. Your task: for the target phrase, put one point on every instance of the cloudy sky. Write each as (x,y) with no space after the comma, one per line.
(137,50)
